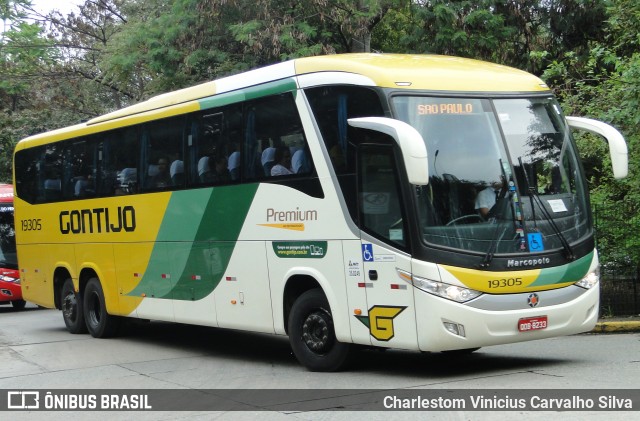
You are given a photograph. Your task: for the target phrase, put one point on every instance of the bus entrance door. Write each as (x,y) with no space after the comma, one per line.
(391,317)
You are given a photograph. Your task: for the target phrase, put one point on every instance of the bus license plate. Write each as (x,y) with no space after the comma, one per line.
(532,323)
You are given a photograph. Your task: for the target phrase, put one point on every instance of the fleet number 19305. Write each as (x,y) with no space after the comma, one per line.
(31,224)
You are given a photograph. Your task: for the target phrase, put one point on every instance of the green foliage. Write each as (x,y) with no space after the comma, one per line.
(603,83)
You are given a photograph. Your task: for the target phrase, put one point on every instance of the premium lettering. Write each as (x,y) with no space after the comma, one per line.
(291,215)
(98,220)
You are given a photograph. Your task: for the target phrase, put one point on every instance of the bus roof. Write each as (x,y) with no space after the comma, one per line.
(427,72)
(400,71)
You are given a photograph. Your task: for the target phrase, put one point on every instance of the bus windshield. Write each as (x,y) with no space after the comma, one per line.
(8,257)
(503,174)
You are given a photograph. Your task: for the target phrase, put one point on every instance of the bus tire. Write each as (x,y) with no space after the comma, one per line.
(100,323)
(18,304)
(312,335)
(72,309)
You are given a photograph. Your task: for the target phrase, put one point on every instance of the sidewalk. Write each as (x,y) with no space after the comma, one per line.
(618,325)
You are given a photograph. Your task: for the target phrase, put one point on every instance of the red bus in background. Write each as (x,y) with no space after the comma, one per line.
(10,291)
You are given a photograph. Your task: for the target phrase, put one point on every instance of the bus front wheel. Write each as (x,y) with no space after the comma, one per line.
(100,323)
(71,305)
(312,335)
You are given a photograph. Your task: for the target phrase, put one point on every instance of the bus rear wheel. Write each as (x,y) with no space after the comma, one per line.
(71,305)
(312,335)
(100,323)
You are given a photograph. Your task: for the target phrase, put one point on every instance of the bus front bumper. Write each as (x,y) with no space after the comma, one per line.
(446,325)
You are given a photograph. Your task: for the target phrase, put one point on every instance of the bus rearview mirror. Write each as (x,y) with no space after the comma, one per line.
(617,145)
(414,150)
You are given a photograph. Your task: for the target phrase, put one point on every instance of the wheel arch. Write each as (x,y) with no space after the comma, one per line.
(91,271)
(60,274)
(301,280)
(295,286)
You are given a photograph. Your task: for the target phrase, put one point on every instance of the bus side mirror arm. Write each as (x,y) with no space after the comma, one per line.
(414,150)
(617,145)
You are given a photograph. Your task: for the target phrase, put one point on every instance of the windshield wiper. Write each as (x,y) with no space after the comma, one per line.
(506,194)
(533,194)
(568,251)
(488,257)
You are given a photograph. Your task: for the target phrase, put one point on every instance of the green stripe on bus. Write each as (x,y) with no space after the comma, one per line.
(571,272)
(196,240)
(271,88)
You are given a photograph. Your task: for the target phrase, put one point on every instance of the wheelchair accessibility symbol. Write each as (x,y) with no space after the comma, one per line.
(367,252)
(535,241)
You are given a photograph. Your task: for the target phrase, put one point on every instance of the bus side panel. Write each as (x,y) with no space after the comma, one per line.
(156,281)
(356,286)
(326,267)
(199,265)
(390,317)
(130,262)
(37,286)
(243,298)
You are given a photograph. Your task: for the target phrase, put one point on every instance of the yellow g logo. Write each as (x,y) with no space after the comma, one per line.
(380,321)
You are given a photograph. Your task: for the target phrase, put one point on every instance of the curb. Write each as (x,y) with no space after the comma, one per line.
(617,327)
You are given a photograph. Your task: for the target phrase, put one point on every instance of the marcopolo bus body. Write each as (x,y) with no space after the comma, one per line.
(10,291)
(421,202)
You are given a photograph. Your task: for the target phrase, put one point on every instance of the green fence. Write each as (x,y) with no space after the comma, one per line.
(617,228)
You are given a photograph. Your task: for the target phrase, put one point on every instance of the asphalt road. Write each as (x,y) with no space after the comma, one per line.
(38,353)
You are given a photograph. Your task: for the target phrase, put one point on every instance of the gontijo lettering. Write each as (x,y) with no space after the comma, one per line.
(98,220)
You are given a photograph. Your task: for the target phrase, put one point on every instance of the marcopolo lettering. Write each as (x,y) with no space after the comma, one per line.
(98,220)
(511,263)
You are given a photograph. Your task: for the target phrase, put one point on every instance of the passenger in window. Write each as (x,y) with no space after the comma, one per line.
(299,162)
(220,173)
(84,185)
(283,162)
(267,159)
(52,187)
(127,180)
(162,177)
(176,171)
(213,169)
(487,198)
(234,162)
(204,170)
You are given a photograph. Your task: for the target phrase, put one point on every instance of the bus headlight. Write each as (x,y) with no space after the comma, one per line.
(450,292)
(589,280)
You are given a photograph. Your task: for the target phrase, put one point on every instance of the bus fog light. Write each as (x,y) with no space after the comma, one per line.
(590,280)
(455,328)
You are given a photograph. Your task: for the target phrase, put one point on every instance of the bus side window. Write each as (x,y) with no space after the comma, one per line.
(52,183)
(119,165)
(81,178)
(214,146)
(274,133)
(163,146)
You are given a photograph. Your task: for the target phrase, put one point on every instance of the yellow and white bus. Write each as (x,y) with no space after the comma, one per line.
(427,203)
